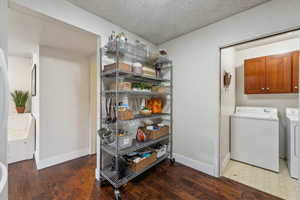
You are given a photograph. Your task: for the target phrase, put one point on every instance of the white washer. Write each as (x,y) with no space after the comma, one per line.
(292,115)
(255,137)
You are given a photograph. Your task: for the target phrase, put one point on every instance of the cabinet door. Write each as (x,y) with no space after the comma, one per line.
(295,71)
(279,73)
(255,75)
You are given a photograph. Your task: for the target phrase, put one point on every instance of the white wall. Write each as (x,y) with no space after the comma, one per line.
(279,101)
(196,61)
(3,45)
(64,106)
(228,58)
(19,77)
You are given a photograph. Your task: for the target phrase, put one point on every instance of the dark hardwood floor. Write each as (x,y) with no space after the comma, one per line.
(75,180)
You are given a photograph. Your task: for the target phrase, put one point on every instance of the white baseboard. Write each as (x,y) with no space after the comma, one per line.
(41,164)
(225,162)
(97,174)
(36,158)
(195,164)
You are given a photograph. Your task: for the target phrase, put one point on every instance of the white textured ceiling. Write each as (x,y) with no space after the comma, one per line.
(27,29)
(161,20)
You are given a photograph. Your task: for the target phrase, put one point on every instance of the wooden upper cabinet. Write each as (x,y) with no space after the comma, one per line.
(254,73)
(295,71)
(279,73)
(272,74)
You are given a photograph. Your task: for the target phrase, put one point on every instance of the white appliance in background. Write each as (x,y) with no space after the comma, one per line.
(292,115)
(3,117)
(20,137)
(255,137)
(3,177)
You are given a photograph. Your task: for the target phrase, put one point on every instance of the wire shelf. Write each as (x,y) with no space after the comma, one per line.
(143,117)
(132,76)
(133,53)
(134,147)
(113,178)
(131,92)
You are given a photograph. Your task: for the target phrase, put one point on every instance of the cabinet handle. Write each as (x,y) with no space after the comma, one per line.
(268,88)
(262,88)
(296,87)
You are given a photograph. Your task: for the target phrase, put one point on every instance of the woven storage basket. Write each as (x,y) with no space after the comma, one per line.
(153,135)
(122,66)
(125,115)
(160,89)
(124,86)
(137,167)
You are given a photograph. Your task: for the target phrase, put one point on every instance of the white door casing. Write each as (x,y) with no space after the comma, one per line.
(4,92)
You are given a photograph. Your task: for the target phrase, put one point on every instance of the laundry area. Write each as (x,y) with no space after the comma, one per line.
(259,109)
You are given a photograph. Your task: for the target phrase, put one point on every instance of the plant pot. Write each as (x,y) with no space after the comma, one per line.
(20,110)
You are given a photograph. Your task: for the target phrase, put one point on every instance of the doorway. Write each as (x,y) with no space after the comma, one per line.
(63,88)
(259,89)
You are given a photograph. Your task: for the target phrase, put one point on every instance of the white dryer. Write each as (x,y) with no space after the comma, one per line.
(255,137)
(292,115)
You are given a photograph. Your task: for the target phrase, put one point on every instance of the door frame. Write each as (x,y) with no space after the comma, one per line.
(218,172)
(94,100)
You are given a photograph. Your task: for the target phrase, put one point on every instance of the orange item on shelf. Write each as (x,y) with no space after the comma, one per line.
(155,105)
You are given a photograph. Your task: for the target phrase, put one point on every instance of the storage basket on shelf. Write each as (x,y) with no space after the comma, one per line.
(123,86)
(159,89)
(145,112)
(125,115)
(155,134)
(122,66)
(142,164)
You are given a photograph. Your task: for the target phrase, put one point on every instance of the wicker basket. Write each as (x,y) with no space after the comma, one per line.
(137,167)
(125,115)
(142,112)
(124,86)
(160,89)
(153,135)
(122,66)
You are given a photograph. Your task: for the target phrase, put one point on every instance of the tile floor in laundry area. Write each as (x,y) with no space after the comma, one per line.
(278,184)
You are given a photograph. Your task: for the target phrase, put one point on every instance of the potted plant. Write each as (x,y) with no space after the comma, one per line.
(20,98)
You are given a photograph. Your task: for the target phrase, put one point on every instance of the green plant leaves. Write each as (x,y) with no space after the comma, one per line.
(20,97)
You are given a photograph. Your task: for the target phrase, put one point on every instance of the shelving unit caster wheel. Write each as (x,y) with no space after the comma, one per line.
(102,181)
(117,195)
(172,160)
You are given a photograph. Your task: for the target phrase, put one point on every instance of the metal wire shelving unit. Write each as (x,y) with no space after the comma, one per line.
(118,51)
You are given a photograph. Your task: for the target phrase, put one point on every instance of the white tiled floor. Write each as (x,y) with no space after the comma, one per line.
(278,184)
